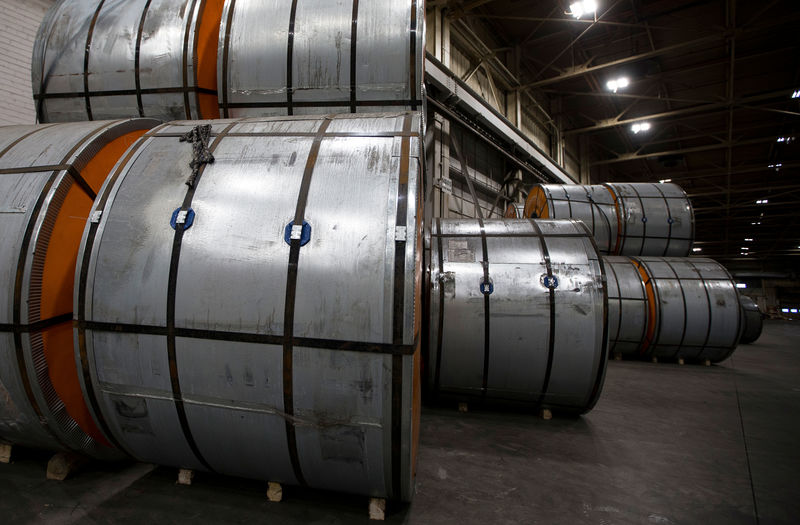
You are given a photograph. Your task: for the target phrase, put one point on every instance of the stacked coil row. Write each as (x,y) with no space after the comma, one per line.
(190,59)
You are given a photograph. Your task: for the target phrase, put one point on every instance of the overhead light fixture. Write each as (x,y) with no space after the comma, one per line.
(640,126)
(793,310)
(695,250)
(796,94)
(785,310)
(762,201)
(664,181)
(584,7)
(741,285)
(785,140)
(775,166)
(745,248)
(619,83)
(747,239)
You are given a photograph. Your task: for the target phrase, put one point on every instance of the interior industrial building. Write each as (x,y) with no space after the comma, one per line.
(657,412)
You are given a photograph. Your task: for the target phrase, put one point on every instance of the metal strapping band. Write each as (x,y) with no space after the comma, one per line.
(291,291)
(289,60)
(324,104)
(644,215)
(685,307)
(353,55)
(485,264)
(38,326)
(226,52)
(552,336)
(185,72)
(137,58)
(172,284)
(708,301)
(440,317)
(669,220)
(413,56)
(89,37)
(130,92)
(399,302)
(82,280)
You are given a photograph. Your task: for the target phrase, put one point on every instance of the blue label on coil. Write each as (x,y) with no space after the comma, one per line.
(186,218)
(487,288)
(549,281)
(644,219)
(670,220)
(302,234)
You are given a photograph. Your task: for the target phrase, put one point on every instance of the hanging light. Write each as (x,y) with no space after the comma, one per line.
(584,7)
(618,83)
(640,126)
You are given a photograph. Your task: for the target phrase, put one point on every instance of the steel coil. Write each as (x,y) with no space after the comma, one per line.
(316,57)
(99,59)
(625,218)
(49,176)
(685,308)
(517,312)
(515,211)
(258,315)
(753,320)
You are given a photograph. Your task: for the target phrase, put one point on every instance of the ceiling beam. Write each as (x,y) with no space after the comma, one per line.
(702,108)
(580,71)
(722,145)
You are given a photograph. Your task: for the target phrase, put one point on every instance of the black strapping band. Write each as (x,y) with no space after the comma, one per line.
(291,293)
(89,37)
(353,56)
(413,55)
(552,336)
(185,72)
(440,321)
(137,58)
(172,285)
(290,60)
(38,326)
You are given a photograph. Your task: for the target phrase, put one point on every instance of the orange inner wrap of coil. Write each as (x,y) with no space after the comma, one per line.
(58,280)
(206,53)
(536,205)
(651,305)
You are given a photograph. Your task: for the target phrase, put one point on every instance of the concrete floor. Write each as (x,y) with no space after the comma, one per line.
(666,444)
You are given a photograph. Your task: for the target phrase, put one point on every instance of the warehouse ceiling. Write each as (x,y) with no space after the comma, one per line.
(713,79)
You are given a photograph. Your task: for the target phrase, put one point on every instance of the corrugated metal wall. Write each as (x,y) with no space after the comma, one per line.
(18,25)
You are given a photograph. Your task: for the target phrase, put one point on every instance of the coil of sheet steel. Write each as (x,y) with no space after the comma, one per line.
(515,211)
(672,308)
(185,59)
(753,320)
(98,59)
(625,218)
(258,285)
(517,313)
(49,176)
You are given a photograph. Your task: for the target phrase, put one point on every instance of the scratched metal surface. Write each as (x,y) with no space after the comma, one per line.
(232,276)
(520,312)
(627,306)
(27,147)
(697,308)
(258,71)
(61,48)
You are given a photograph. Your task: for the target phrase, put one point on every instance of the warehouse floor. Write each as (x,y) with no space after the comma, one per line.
(666,444)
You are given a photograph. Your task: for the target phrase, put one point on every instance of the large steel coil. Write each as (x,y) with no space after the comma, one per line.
(517,312)
(259,315)
(96,59)
(318,56)
(49,176)
(753,320)
(672,307)
(625,218)
(184,59)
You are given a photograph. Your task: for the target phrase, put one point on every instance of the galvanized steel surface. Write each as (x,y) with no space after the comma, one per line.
(230,346)
(537,332)
(625,218)
(656,219)
(752,319)
(695,308)
(280,57)
(39,165)
(97,59)
(628,306)
(594,205)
